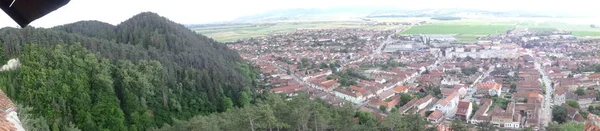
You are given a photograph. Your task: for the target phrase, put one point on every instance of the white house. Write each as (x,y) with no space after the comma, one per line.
(560,97)
(464,110)
(349,96)
(462,90)
(447,104)
(496,91)
(493,89)
(450,81)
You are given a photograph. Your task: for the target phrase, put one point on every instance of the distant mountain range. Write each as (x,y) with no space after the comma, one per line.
(456,13)
(383,12)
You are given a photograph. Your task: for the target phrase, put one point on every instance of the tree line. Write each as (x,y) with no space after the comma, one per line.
(275,112)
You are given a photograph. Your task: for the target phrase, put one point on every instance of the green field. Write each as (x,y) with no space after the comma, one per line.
(458,29)
(586,33)
(542,29)
(234,32)
(466,30)
(576,29)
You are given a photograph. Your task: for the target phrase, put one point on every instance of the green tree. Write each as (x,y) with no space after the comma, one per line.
(475,107)
(29,122)
(227,103)
(324,65)
(393,122)
(365,117)
(570,126)
(553,126)
(573,103)
(382,108)
(405,98)
(513,87)
(140,74)
(458,125)
(394,109)
(415,122)
(244,98)
(580,91)
(559,114)
(485,126)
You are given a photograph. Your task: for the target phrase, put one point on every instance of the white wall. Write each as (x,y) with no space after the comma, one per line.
(12,117)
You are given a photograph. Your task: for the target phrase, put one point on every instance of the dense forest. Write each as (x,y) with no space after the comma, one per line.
(140,74)
(273,112)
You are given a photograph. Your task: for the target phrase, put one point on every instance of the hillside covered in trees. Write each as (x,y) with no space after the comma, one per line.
(272,112)
(137,75)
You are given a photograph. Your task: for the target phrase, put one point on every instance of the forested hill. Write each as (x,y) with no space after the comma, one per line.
(139,74)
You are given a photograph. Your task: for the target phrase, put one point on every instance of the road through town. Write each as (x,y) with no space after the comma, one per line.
(546,112)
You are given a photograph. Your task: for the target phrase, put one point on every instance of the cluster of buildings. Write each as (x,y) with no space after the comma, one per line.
(507,79)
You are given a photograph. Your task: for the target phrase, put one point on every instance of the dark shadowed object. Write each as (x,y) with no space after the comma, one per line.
(26,11)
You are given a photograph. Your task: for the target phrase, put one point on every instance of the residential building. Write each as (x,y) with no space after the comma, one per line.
(401,89)
(481,115)
(448,105)
(464,110)
(492,89)
(8,116)
(506,118)
(593,123)
(560,96)
(436,116)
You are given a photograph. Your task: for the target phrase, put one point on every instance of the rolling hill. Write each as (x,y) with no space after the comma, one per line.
(137,75)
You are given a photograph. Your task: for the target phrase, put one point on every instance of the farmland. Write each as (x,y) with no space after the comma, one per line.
(466,30)
(586,33)
(458,29)
(234,32)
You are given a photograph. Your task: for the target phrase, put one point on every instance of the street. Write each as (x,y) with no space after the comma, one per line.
(472,88)
(546,113)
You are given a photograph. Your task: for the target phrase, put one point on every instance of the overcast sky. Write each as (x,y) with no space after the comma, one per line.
(203,11)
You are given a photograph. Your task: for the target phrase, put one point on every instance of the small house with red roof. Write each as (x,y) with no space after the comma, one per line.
(464,110)
(401,89)
(435,117)
(492,89)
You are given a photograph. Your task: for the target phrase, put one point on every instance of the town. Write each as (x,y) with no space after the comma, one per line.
(512,81)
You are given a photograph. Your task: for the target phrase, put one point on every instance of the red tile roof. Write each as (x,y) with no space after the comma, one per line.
(437,114)
(448,91)
(286,88)
(489,85)
(400,88)
(358,89)
(579,118)
(327,84)
(560,91)
(6,125)
(594,76)
(5,102)
(463,107)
